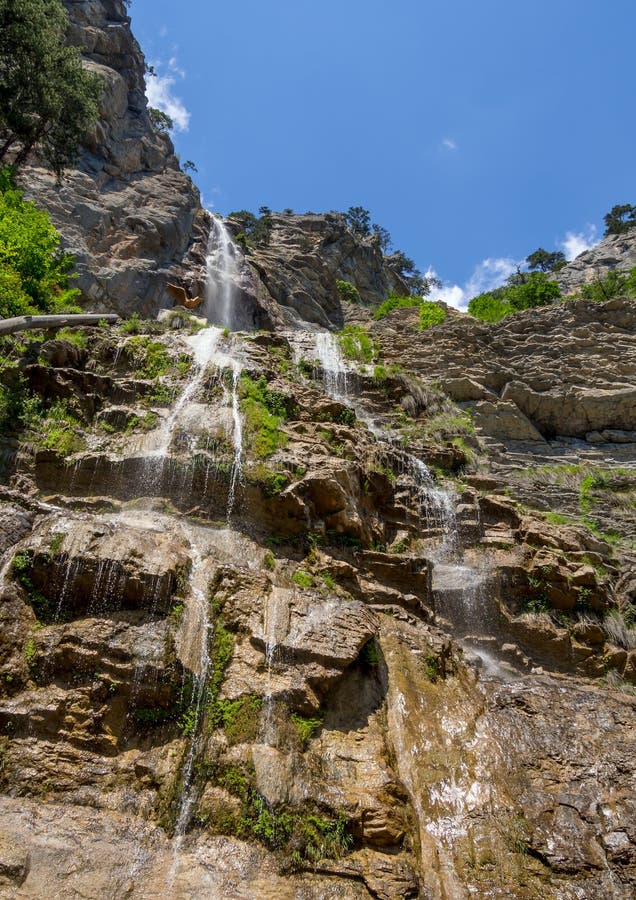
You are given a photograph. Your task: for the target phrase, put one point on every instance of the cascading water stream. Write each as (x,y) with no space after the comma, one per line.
(222,274)
(196,651)
(237,439)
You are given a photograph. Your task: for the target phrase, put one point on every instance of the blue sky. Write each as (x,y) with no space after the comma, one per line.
(474,130)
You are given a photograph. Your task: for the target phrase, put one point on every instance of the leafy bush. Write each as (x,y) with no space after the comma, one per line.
(348,292)
(615,284)
(34,270)
(306,726)
(523,291)
(303,579)
(356,344)
(264,410)
(431,314)
(395,301)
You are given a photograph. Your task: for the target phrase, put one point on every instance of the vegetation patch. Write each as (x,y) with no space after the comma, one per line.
(21,568)
(240,719)
(348,292)
(431,314)
(306,726)
(524,290)
(34,271)
(151,358)
(357,345)
(264,411)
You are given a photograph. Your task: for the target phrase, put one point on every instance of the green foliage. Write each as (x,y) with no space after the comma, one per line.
(523,291)
(269,561)
(615,284)
(21,567)
(264,410)
(160,120)
(620,219)
(356,344)
(431,314)
(544,261)
(151,358)
(57,429)
(48,100)
(239,718)
(358,221)
(34,271)
(133,325)
(370,654)
(271,483)
(348,292)
(303,579)
(395,301)
(73,336)
(306,726)
(255,230)
(30,653)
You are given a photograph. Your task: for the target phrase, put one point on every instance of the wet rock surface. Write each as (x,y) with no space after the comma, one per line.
(318,670)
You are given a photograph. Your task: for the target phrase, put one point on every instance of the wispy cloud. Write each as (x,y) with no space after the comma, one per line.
(489,274)
(160,93)
(450,143)
(576,243)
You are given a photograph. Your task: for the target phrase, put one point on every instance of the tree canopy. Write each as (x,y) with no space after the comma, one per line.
(620,219)
(48,100)
(34,270)
(523,291)
(544,261)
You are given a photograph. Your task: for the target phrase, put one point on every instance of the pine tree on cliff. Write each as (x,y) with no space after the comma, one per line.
(48,100)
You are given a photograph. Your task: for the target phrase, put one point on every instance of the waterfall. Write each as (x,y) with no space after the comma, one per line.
(237,439)
(333,365)
(222,274)
(196,649)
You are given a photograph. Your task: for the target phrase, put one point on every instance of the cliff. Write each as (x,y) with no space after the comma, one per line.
(617,251)
(127,212)
(317,604)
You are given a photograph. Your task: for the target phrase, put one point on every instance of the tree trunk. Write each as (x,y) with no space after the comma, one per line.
(31,323)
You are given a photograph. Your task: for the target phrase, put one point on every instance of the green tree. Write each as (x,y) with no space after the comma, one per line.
(359,220)
(545,261)
(620,219)
(48,100)
(34,270)
(523,291)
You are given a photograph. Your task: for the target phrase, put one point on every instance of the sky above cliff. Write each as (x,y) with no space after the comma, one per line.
(473,132)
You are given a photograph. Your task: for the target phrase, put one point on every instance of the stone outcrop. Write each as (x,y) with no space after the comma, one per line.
(127,212)
(304,257)
(615,252)
(397,668)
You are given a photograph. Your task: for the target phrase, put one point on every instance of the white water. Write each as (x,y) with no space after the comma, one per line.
(237,439)
(333,366)
(222,273)
(196,651)
(204,347)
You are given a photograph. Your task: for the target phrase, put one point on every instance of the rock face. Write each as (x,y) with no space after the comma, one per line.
(305,256)
(127,211)
(251,647)
(617,251)
(283,616)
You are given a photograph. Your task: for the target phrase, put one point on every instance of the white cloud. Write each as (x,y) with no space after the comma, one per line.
(489,274)
(159,91)
(576,243)
(450,144)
